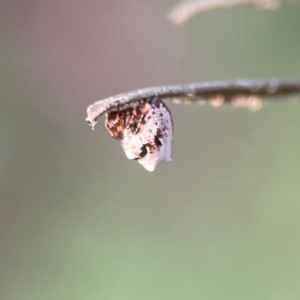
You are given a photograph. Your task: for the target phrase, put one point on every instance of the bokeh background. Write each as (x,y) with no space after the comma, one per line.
(80,221)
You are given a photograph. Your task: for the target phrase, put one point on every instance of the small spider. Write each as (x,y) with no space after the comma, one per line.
(145,129)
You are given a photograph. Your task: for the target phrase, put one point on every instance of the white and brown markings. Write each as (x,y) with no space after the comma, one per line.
(145,129)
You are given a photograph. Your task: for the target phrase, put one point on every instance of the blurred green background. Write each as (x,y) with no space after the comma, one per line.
(80,221)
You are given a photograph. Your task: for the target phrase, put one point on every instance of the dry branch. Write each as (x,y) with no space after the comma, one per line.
(238,93)
(184,11)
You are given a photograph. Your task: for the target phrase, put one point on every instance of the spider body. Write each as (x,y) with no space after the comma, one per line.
(145,129)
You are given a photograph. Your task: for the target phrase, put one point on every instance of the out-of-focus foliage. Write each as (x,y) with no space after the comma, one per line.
(80,221)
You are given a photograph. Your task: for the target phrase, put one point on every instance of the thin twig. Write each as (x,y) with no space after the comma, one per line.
(184,11)
(237,93)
